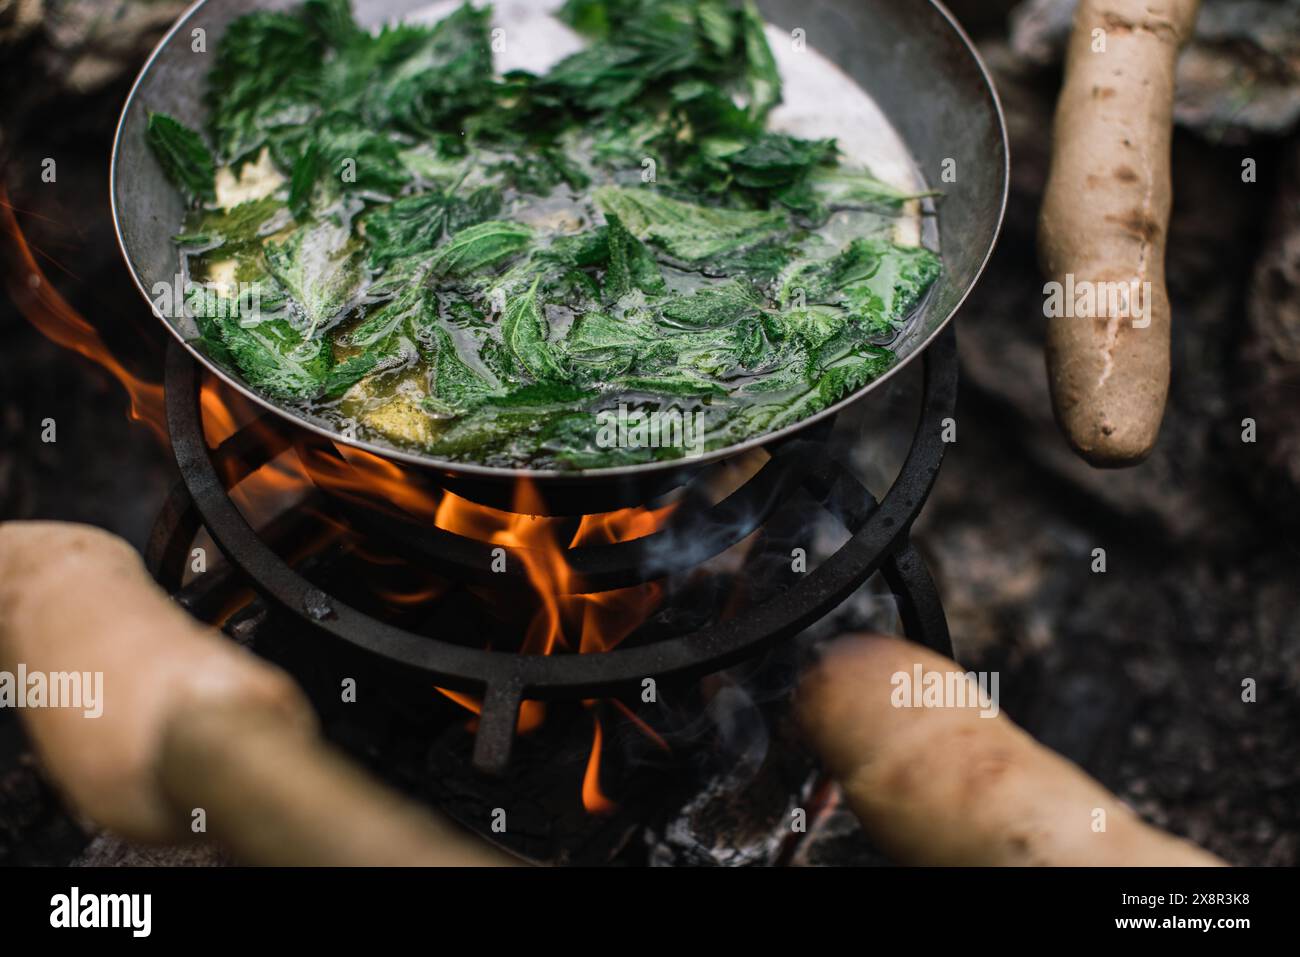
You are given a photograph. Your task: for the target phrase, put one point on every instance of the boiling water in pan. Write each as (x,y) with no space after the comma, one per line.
(819,100)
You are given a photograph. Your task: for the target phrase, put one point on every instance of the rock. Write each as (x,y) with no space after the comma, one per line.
(93,42)
(19,20)
(1039,29)
(1268,366)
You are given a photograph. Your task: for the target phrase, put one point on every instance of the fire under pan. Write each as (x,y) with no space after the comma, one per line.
(879,540)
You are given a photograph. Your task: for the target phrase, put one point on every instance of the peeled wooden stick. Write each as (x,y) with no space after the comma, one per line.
(945,786)
(190,721)
(1103,226)
(275,795)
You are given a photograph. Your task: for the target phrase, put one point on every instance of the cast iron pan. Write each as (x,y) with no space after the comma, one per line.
(909,55)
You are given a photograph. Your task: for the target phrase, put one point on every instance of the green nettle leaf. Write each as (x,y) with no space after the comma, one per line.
(265,84)
(427,77)
(848,375)
(322,269)
(904,276)
(600,347)
(413,312)
(332,19)
(234,230)
(674,384)
(454,386)
(474,246)
(830,188)
(350,157)
(416,224)
(718,25)
(761,75)
(477,207)
(388,338)
(758,264)
(689,232)
(184,156)
(825,281)
(272,356)
(722,305)
(497,436)
(349,372)
(591,17)
(481,246)
(425,162)
(541,173)
(647,43)
(627,263)
(775,160)
(524,330)
(405,227)
(878,282)
(306,170)
(541,395)
(813,328)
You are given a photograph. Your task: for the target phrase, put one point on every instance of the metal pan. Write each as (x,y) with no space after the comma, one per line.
(910,56)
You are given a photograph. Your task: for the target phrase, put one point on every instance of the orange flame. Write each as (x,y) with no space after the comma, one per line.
(588,623)
(262,493)
(52,315)
(600,621)
(368,477)
(624,525)
(593,799)
(565,620)
(220,418)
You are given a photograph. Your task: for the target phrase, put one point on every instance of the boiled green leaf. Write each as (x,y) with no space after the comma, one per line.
(264,88)
(417,224)
(183,155)
(685,230)
(235,229)
(524,331)
(481,246)
(722,305)
(271,355)
(878,282)
(321,267)
(454,386)
(761,75)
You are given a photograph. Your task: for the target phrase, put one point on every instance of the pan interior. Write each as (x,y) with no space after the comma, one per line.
(916,68)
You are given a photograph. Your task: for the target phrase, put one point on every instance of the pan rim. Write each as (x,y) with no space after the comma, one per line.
(477,470)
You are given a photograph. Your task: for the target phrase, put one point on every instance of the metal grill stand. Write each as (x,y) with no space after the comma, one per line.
(879,541)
